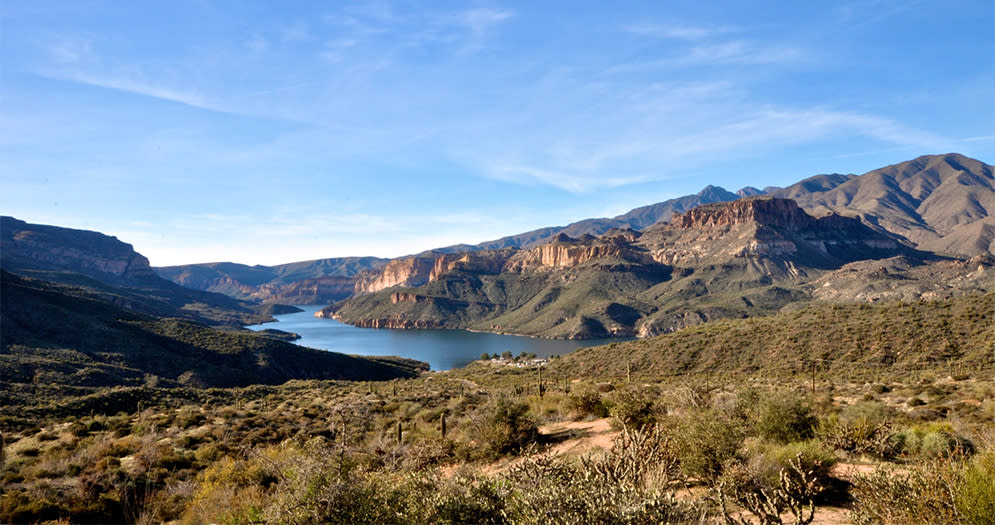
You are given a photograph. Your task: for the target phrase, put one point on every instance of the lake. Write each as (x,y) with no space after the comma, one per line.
(442,349)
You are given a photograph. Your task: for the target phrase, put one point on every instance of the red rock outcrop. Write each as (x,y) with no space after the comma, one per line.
(781,213)
(407,271)
(490,261)
(566,252)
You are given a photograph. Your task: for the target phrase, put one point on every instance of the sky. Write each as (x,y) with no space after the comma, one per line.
(273,132)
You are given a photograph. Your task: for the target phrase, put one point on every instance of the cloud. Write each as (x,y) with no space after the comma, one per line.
(335,49)
(572,182)
(70,50)
(479,21)
(676,31)
(735,52)
(135,85)
(595,161)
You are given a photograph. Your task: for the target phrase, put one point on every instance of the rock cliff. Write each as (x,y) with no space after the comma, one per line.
(566,252)
(488,262)
(90,253)
(764,227)
(405,271)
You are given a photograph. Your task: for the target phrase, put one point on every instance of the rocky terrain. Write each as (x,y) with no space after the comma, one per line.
(741,258)
(937,203)
(320,281)
(113,270)
(39,247)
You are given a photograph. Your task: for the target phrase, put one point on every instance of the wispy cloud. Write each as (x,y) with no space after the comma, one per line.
(480,21)
(676,31)
(135,85)
(462,32)
(335,49)
(601,161)
(735,52)
(70,50)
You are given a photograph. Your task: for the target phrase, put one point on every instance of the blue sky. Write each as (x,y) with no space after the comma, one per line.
(270,132)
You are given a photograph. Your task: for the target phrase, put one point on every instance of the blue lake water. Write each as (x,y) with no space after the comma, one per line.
(442,349)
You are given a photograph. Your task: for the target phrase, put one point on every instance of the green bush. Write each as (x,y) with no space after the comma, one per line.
(626,484)
(975,497)
(587,404)
(915,494)
(778,478)
(634,409)
(705,443)
(784,418)
(874,412)
(931,440)
(506,427)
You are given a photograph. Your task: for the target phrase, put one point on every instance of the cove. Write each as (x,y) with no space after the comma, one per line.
(442,349)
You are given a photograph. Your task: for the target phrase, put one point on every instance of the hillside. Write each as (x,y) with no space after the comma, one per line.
(938,203)
(58,337)
(112,270)
(308,282)
(748,257)
(841,338)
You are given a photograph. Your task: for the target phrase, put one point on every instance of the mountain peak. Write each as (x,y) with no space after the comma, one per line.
(716,193)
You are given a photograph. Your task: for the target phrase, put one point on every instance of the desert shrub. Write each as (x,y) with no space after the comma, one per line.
(860,436)
(930,440)
(871,411)
(231,491)
(634,409)
(784,418)
(466,500)
(705,443)
(505,427)
(778,478)
(626,484)
(587,404)
(189,416)
(975,495)
(916,494)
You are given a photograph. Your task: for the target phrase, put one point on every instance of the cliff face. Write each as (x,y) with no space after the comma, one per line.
(764,227)
(564,252)
(408,271)
(111,268)
(86,252)
(485,262)
(782,213)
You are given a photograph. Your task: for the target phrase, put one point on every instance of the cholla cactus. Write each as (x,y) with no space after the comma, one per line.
(794,494)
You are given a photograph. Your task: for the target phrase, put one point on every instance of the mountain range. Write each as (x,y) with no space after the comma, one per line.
(936,203)
(917,229)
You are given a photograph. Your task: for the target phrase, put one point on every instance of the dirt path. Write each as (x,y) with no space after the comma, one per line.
(579,437)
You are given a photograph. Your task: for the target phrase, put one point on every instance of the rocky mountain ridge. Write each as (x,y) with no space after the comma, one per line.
(53,248)
(887,200)
(320,281)
(734,259)
(937,203)
(112,269)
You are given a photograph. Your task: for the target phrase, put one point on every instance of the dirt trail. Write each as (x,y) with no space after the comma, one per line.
(566,438)
(579,437)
